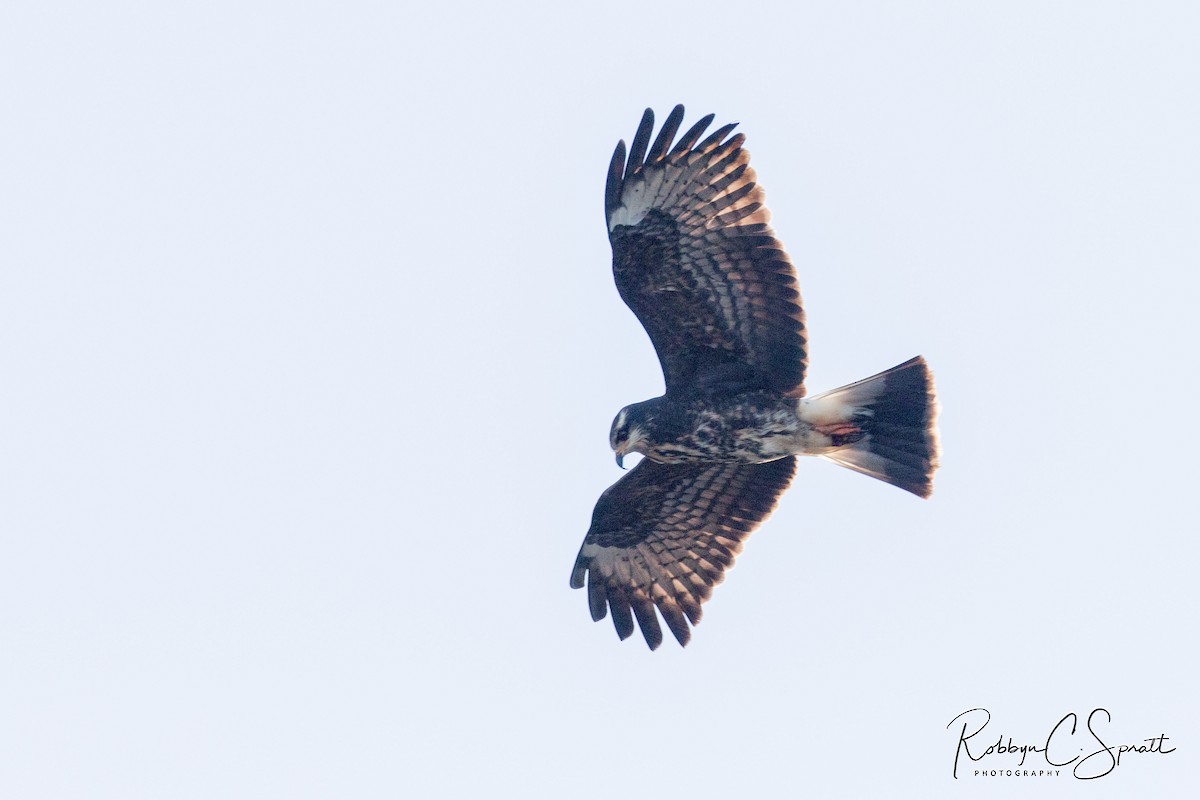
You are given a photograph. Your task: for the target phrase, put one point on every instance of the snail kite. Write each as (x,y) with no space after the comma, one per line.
(695,260)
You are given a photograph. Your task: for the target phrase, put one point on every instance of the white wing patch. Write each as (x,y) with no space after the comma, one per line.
(641,194)
(668,187)
(603,556)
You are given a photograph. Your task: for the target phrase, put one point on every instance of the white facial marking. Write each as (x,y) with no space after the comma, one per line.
(635,438)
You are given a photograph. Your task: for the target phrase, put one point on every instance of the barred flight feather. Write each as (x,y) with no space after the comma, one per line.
(693,217)
(674,547)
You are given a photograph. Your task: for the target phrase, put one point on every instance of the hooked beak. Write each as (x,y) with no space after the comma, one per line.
(621,459)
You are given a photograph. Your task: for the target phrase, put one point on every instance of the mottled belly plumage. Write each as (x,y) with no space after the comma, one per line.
(749,429)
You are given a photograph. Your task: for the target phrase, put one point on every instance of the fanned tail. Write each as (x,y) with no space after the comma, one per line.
(883,426)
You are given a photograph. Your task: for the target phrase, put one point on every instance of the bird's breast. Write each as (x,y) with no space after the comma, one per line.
(748,429)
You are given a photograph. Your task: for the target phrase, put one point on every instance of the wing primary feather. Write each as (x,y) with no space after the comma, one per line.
(612,188)
(643,609)
(670,127)
(723,183)
(691,607)
(676,622)
(693,134)
(637,150)
(734,143)
(723,202)
(618,603)
(731,218)
(722,159)
(596,600)
(715,138)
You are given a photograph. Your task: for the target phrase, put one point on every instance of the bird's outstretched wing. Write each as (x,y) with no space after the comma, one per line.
(664,535)
(694,258)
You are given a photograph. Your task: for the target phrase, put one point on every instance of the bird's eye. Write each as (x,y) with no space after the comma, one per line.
(619,434)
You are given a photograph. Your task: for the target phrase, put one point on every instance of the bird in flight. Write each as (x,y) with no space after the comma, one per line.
(696,261)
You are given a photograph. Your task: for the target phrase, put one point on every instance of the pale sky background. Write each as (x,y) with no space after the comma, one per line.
(309,348)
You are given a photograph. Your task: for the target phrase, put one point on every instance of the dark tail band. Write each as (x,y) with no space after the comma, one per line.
(896,411)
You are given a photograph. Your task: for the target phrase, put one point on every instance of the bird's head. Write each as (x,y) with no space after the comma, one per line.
(629,431)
